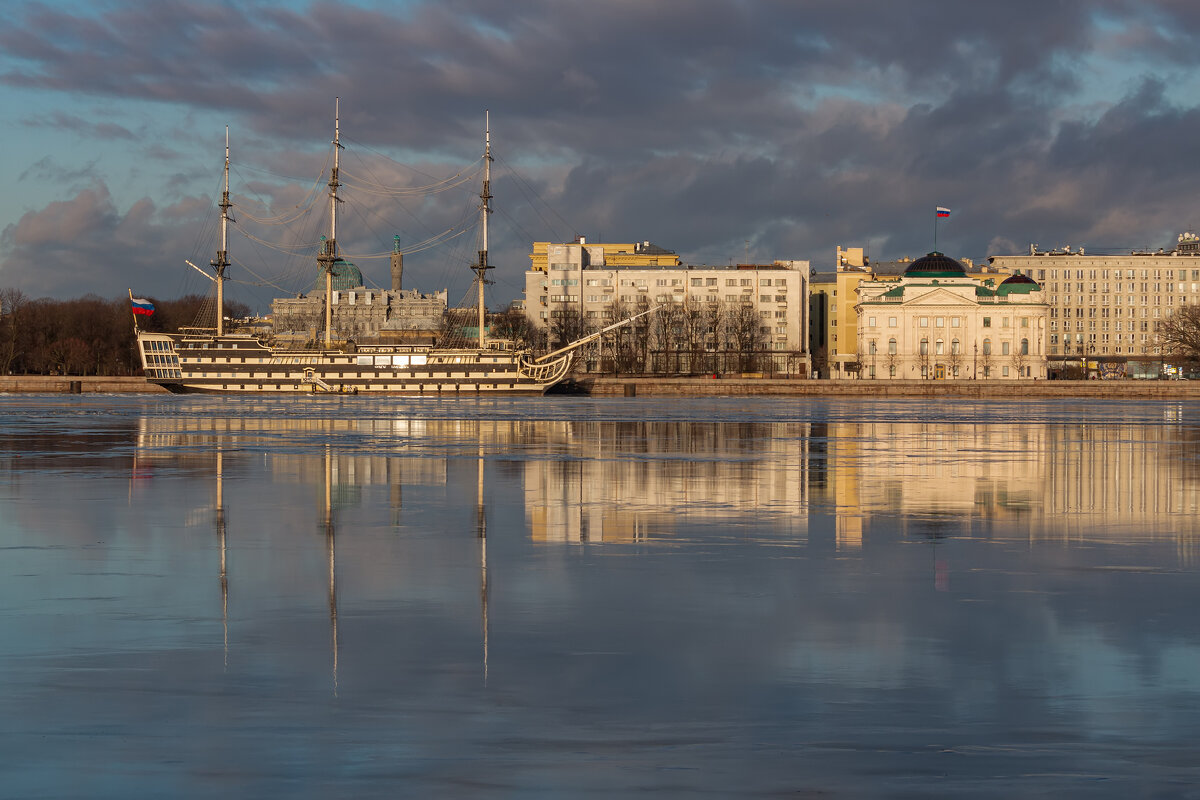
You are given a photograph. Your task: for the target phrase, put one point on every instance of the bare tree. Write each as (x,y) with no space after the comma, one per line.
(954,360)
(746,335)
(1179,335)
(12,309)
(1018,360)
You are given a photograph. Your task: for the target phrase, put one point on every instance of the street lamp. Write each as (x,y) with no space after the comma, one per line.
(975,361)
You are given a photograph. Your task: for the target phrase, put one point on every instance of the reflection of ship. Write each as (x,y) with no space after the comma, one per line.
(212,360)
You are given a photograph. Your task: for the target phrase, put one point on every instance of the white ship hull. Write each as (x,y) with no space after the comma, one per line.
(237,363)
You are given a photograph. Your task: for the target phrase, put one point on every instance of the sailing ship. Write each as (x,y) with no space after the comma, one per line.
(214,360)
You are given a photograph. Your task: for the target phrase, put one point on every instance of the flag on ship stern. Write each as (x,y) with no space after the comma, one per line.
(139,306)
(943,212)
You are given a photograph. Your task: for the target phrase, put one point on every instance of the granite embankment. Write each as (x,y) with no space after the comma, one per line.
(75,384)
(742,387)
(718,387)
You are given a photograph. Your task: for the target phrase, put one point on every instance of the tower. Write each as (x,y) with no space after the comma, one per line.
(397,264)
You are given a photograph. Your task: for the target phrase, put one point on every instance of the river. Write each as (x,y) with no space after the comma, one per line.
(574,597)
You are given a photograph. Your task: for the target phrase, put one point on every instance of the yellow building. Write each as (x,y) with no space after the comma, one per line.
(580,254)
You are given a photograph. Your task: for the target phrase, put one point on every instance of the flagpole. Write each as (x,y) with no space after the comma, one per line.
(135,325)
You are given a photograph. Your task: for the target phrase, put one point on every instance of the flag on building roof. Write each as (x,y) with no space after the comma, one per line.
(943,212)
(139,306)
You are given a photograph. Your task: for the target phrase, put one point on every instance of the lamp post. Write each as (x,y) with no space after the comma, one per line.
(975,361)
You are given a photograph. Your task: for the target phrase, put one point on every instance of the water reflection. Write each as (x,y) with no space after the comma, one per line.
(346,598)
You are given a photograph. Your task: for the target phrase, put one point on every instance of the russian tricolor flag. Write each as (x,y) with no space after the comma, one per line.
(943,212)
(138,306)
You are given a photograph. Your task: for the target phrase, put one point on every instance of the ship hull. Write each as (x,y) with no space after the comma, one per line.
(237,364)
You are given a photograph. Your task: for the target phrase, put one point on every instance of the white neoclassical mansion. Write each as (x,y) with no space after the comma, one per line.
(937,322)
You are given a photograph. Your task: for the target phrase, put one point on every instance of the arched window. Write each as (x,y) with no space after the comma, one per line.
(954,347)
(872,347)
(892,346)
(924,347)
(987,347)
(939,347)
(1024,347)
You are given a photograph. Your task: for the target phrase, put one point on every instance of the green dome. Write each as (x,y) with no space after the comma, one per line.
(346,276)
(935,265)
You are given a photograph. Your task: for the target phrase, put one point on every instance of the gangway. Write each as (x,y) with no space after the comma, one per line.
(310,377)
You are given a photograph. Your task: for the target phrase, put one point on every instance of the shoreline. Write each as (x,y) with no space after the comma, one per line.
(719,387)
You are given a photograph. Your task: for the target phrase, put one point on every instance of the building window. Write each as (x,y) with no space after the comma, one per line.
(1024,347)
(891,322)
(987,322)
(923,322)
(870,322)
(891,346)
(1004,348)
(939,347)
(871,347)
(939,322)
(987,347)
(924,347)
(955,349)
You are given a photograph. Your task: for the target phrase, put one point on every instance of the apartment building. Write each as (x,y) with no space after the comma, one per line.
(764,307)
(1105,308)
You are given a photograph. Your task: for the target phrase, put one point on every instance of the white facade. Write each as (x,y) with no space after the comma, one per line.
(777,293)
(950,326)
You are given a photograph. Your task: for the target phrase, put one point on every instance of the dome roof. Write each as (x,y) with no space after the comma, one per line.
(935,265)
(346,276)
(1022,284)
(1013,280)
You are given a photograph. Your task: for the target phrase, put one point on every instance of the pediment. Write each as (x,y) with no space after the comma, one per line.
(939,296)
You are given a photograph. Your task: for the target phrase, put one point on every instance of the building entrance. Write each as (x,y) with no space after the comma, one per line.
(940,372)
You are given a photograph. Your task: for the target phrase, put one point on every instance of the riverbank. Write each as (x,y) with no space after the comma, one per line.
(76,384)
(744,387)
(717,387)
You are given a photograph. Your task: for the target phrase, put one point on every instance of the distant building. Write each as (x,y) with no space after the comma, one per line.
(584,287)
(834,334)
(937,322)
(1105,308)
(581,254)
(359,313)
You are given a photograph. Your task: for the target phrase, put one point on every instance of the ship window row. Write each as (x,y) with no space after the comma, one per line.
(159,346)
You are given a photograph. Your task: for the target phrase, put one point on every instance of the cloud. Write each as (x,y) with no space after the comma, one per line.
(698,125)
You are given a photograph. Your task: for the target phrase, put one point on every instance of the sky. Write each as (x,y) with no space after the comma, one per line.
(725,131)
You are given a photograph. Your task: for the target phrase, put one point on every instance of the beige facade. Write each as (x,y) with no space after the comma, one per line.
(937,322)
(553,255)
(1107,307)
(775,295)
(363,314)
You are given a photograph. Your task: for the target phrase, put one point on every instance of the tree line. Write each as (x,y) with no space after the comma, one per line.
(687,338)
(85,336)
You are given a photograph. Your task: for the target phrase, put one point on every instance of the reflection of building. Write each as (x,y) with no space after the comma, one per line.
(631,479)
(938,322)
(1059,481)
(628,481)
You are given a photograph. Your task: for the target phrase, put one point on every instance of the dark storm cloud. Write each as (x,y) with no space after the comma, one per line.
(699,125)
(85,245)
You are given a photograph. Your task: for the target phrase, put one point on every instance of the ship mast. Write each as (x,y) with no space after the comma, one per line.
(485,198)
(328,256)
(222,260)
